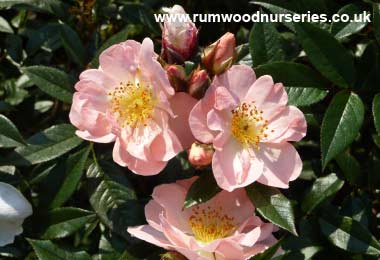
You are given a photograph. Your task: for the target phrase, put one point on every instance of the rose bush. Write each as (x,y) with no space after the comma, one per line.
(122,137)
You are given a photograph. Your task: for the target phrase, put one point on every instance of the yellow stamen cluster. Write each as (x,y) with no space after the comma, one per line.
(209,224)
(132,104)
(248,125)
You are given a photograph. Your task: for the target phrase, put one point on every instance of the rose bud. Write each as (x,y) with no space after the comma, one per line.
(179,37)
(177,77)
(198,83)
(200,154)
(172,256)
(219,56)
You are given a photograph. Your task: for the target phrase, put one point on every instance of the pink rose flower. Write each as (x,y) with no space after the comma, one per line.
(179,36)
(129,100)
(223,228)
(250,126)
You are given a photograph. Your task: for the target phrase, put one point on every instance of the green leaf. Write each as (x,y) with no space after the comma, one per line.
(63,222)
(137,13)
(368,67)
(273,206)
(72,44)
(113,199)
(54,82)
(202,190)
(4,26)
(111,246)
(277,10)
(322,189)
(9,134)
(358,208)
(341,124)
(13,46)
(349,235)
(74,170)
(376,20)
(265,44)
(350,166)
(268,253)
(243,55)
(46,250)
(376,112)
(344,29)
(55,7)
(303,85)
(327,54)
(45,146)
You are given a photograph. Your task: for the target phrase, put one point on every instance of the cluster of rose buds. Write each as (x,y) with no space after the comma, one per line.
(221,113)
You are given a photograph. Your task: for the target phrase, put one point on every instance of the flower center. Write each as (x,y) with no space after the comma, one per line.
(248,125)
(209,224)
(132,104)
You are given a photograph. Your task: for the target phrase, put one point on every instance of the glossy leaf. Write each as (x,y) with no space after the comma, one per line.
(74,170)
(345,29)
(5,26)
(46,250)
(45,146)
(113,198)
(341,124)
(350,167)
(53,82)
(63,222)
(265,44)
(322,189)
(72,44)
(9,134)
(327,54)
(273,206)
(348,234)
(202,190)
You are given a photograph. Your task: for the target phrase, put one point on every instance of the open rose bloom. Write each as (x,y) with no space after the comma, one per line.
(250,126)
(128,99)
(223,228)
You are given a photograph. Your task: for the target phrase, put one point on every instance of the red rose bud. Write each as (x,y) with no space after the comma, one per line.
(179,37)
(219,56)
(172,256)
(200,154)
(177,77)
(198,83)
